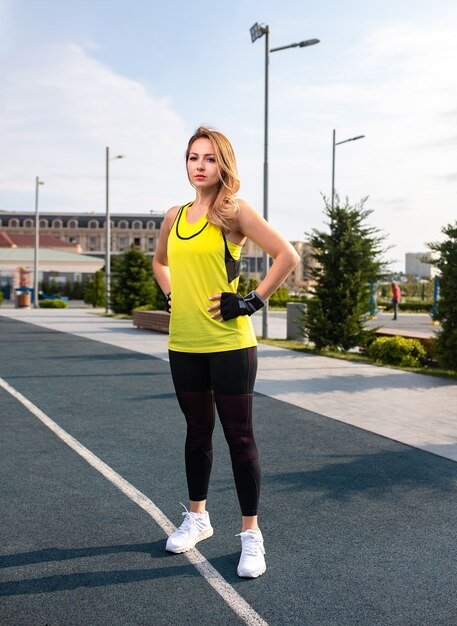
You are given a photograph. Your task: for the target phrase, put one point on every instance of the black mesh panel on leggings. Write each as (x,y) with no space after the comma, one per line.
(198,409)
(230,375)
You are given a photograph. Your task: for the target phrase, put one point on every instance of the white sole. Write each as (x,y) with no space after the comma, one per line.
(256,574)
(203,535)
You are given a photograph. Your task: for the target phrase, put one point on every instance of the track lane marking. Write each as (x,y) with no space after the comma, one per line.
(209,573)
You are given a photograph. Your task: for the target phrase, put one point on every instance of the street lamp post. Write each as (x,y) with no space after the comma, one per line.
(257,31)
(38,182)
(333,159)
(108,234)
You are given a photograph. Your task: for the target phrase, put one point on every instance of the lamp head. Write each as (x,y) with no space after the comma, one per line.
(308,42)
(257,31)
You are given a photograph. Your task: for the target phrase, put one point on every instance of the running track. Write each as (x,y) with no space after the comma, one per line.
(359,529)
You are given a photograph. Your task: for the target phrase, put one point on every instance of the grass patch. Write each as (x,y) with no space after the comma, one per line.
(298,346)
(118,316)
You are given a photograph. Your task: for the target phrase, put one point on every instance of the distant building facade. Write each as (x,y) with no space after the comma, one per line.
(419,264)
(300,279)
(88,229)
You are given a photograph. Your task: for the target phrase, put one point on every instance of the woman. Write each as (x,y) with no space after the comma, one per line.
(212,344)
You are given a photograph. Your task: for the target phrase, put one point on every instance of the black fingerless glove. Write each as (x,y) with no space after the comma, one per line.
(233,305)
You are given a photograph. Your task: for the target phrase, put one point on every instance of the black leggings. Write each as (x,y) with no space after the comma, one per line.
(227,380)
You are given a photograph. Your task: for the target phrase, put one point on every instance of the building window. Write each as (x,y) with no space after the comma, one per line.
(72,224)
(123,224)
(13,223)
(123,243)
(92,224)
(57,223)
(44,224)
(94,243)
(29,223)
(137,224)
(151,244)
(151,225)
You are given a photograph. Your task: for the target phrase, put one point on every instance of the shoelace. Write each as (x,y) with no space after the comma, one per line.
(187,522)
(251,543)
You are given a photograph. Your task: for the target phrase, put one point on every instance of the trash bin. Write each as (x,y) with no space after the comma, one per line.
(22,299)
(295,311)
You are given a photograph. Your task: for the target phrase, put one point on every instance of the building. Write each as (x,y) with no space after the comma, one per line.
(88,229)
(17,265)
(419,264)
(300,279)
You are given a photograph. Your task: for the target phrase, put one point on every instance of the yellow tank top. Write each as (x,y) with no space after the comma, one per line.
(201,264)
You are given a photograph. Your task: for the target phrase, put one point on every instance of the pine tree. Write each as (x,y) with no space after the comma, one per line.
(132,284)
(348,259)
(242,285)
(94,293)
(447,305)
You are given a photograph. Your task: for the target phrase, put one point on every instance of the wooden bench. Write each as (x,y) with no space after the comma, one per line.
(152,320)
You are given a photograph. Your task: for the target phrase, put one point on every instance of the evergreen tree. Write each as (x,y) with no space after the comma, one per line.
(348,259)
(132,284)
(94,293)
(447,305)
(242,285)
(68,289)
(78,289)
(160,301)
(53,286)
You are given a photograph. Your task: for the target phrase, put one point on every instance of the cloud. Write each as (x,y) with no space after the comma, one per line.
(60,108)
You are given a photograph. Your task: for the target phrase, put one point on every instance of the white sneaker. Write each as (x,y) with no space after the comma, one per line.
(252,562)
(195,528)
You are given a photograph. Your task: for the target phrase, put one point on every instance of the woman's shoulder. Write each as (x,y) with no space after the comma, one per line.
(170,216)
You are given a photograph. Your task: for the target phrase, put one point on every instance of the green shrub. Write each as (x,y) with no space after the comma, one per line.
(53,304)
(279,298)
(397,351)
(418,307)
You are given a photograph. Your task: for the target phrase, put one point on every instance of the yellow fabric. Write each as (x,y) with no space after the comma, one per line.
(197,266)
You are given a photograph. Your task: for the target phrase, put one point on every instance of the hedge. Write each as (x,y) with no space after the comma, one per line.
(53,304)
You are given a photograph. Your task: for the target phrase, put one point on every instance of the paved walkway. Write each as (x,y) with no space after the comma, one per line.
(413,409)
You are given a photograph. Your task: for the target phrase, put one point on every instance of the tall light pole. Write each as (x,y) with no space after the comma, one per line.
(108,234)
(257,31)
(38,182)
(333,159)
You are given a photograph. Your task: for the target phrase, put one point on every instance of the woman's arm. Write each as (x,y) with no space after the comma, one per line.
(160,261)
(258,230)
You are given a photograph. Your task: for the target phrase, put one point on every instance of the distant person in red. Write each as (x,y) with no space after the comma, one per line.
(396,297)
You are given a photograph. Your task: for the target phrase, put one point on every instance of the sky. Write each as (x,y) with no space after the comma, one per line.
(140,75)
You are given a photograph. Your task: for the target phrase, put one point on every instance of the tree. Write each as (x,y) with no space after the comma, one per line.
(132,285)
(94,293)
(242,285)
(447,305)
(348,258)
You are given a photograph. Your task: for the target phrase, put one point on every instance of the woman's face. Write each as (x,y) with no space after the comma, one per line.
(202,169)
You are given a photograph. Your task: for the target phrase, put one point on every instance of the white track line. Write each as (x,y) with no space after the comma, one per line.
(211,575)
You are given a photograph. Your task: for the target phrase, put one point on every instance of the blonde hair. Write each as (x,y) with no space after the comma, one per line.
(224,206)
